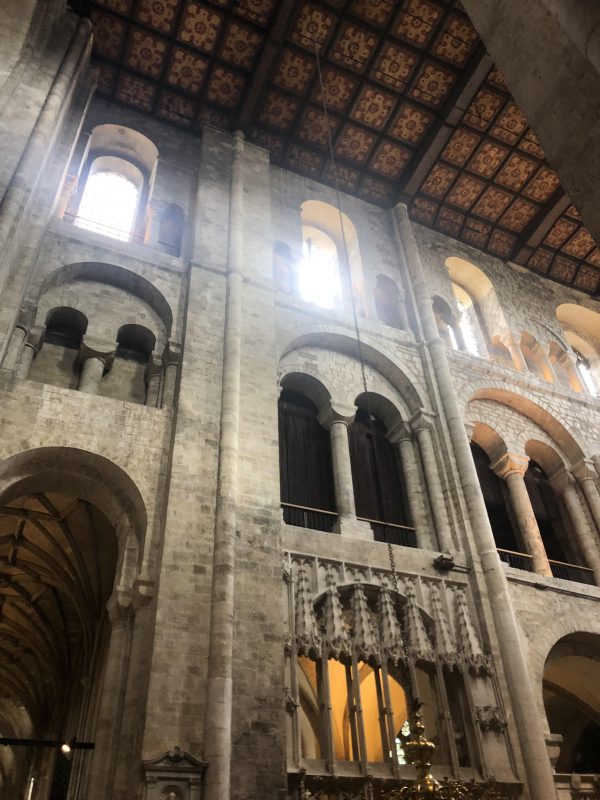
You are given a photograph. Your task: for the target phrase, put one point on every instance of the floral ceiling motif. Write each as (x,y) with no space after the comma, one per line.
(407,120)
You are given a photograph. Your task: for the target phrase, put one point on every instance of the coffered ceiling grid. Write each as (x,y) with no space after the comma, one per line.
(415,111)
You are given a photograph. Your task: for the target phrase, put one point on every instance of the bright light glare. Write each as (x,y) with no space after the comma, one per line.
(468,331)
(318,276)
(65,748)
(587,377)
(108,205)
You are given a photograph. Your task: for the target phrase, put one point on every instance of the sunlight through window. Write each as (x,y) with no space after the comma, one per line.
(319,280)
(584,370)
(108,205)
(468,330)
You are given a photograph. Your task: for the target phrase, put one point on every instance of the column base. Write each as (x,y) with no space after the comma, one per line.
(353,529)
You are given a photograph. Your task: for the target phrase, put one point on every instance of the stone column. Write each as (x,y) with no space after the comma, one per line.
(511,467)
(488,566)
(171,358)
(545,364)
(401,437)
(108,723)
(564,483)
(28,353)
(69,188)
(586,475)
(422,427)
(219,685)
(516,353)
(337,423)
(566,360)
(153,376)
(95,358)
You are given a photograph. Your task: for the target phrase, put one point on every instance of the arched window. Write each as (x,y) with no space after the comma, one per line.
(585,372)
(468,322)
(126,379)
(497,504)
(305,468)
(170,231)
(56,361)
(331,262)
(445,322)
(387,302)
(114,183)
(379,489)
(110,198)
(319,273)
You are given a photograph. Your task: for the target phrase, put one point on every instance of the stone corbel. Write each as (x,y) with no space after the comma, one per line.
(399,432)
(490,718)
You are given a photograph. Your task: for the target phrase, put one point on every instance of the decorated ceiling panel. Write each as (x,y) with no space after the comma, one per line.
(415,109)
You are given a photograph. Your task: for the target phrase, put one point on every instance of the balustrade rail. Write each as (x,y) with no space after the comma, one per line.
(560,569)
(317,519)
(392,533)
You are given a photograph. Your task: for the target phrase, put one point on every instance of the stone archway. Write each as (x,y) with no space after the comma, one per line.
(571,693)
(69,553)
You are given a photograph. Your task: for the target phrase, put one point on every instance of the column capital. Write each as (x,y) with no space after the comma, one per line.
(96,348)
(402,208)
(399,432)
(561,480)
(422,420)
(509,463)
(585,470)
(336,412)
(171,353)
(34,338)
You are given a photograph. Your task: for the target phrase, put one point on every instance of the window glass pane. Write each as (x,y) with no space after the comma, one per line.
(319,279)
(108,205)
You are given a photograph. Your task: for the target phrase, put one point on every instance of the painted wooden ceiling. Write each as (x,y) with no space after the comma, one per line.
(416,110)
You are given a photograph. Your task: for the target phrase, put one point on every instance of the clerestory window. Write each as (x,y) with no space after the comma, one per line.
(110,199)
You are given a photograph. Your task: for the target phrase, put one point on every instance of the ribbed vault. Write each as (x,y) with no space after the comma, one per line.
(57,564)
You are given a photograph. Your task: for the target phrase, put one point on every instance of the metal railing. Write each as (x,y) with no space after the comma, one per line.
(392,532)
(572,572)
(560,569)
(317,519)
(516,560)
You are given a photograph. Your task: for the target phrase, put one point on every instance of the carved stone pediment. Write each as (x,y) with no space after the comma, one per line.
(173,775)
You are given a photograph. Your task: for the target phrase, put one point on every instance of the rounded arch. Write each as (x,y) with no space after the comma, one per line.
(113,275)
(381,406)
(512,396)
(308,385)
(91,476)
(546,456)
(489,440)
(326,338)
(580,319)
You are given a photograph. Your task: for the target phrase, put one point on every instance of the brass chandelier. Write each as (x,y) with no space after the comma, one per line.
(419,752)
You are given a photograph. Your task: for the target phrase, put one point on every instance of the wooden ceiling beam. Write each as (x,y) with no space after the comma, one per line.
(450,116)
(274,39)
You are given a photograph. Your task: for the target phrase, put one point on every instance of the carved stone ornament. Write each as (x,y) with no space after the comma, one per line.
(335,637)
(363,639)
(390,633)
(417,640)
(445,646)
(173,775)
(308,636)
(490,718)
(474,657)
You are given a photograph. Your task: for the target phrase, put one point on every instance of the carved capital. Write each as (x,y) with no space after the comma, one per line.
(509,463)
(34,337)
(399,432)
(562,480)
(96,348)
(585,470)
(172,353)
(422,421)
(342,412)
